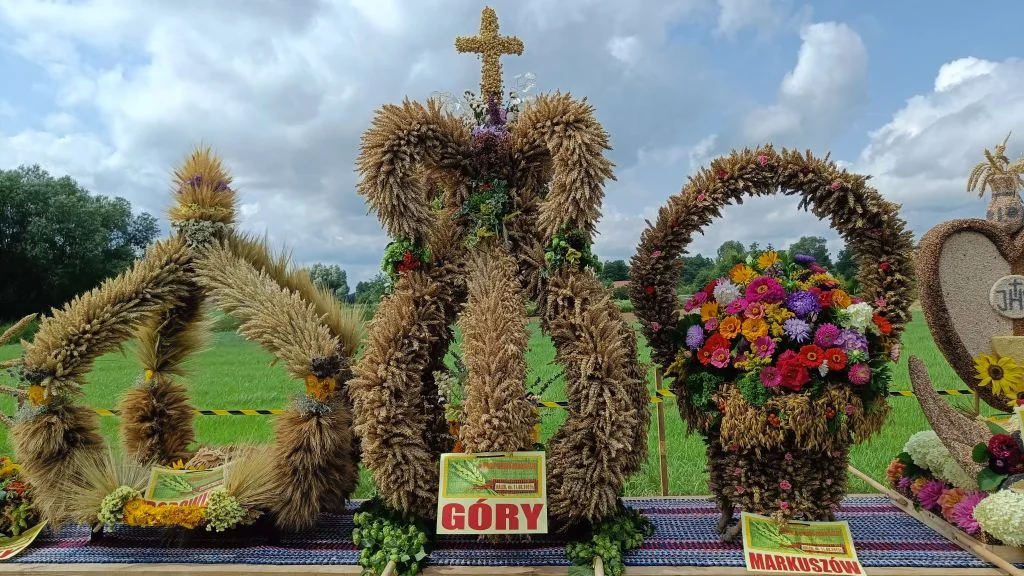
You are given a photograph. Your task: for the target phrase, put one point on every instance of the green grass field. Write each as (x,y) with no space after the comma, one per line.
(234,373)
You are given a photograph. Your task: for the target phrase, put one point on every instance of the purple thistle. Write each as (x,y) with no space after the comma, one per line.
(803,303)
(797,330)
(694,337)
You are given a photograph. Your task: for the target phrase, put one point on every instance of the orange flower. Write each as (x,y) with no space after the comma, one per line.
(708,311)
(916,485)
(949,499)
(754,328)
(883,325)
(741,273)
(841,299)
(894,472)
(730,327)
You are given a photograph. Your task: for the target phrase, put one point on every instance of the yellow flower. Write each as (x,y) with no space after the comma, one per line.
(741,273)
(708,311)
(841,299)
(754,328)
(767,259)
(1001,373)
(777,313)
(36,395)
(320,388)
(730,327)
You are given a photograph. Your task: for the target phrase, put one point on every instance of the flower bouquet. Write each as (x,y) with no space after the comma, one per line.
(16,507)
(781,369)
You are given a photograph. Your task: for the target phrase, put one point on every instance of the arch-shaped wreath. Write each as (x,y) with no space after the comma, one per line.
(482,213)
(743,437)
(161,300)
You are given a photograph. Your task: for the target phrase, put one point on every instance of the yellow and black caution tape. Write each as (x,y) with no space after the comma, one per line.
(659,396)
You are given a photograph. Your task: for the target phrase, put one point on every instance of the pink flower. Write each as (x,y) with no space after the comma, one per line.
(894,352)
(764,346)
(785,485)
(720,358)
(701,197)
(736,306)
(789,456)
(695,302)
(963,512)
(738,471)
(754,310)
(762,160)
(740,489)
(783,504)
(929,494)
(655,326)
(860,374)
(849,409)
(836,185)
(765,289)
(711,325)
(770,377)
(656,254)
(880,302)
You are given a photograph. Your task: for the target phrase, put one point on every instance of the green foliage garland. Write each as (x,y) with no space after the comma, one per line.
(486,210)
(403,256)
(571,247)
(611,539)
(385,535)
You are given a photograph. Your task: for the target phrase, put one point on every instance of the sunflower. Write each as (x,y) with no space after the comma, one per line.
(766,260)
(1000,372)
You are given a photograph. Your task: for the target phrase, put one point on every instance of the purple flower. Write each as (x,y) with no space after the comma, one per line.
(904,485)
(860,374)
(850,409)
(765,289)
(963,512)
(797,330)
(803,303)
(804,259)
(770,377)
(852,341)
(826,335)
(929,494)
(711,325)
(694,337)
(736,306)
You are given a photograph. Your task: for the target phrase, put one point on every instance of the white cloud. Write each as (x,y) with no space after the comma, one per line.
(625,49)
(737,15)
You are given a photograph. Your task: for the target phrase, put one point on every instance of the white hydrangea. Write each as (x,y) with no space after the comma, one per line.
(725,292)
(1002,515)
(928,452)
(858,316)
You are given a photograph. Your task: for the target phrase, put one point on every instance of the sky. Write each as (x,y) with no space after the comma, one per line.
(115,93)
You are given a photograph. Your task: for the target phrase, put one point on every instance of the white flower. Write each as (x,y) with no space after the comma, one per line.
(858,316)
(823,369)
(928,452)
(750,260)
(725,292)
(1002,515)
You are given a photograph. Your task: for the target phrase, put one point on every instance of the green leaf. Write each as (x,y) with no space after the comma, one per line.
(996,428)
(421,555)
(581,571)
(905,459)
(980,453)
(989,480)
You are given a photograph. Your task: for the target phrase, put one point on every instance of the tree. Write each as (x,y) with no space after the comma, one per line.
(614,271)
(58,240)
(731,252)
(846,268)
(814,246)
(331,277)
(695,269)
(371,291)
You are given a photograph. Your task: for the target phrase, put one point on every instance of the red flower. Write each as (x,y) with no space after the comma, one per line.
(836,359)
(825,298)
(774,420)
(812,355)
(792,371)
(883,325)
(409,262)
(704,355)
(722,174)
(836,185)
(830,412)
(884,266)
(18,487)
(717,341)
(1003,446)
(721,406)
(649,290)
(710,288)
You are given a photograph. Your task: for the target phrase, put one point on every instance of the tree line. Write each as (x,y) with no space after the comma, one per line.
(58,240)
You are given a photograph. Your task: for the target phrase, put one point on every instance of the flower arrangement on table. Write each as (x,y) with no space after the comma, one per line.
(16,511)
(782,369)
(989,506)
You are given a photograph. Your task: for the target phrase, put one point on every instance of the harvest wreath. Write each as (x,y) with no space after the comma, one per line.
(161,300)
(777,365)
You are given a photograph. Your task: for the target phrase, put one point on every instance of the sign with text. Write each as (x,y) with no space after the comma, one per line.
(798,547)
(10,547)
(185,487)
(493,493)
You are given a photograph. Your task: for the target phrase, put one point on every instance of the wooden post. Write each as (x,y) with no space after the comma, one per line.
(598,566)
(389,570)
(662,448)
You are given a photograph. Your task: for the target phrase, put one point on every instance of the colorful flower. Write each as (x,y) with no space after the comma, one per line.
(730,327)
(767,259)
(695,301)
(797,330)
(792,371)
(858,316)
(812,355)
(763,346)
(708,310)
(648,290)
(963,512)
(860,374)
(883,325)
(656,254)
(895,471)
(1001,373)
(836,358)
(754,329)
(904,485)
(840,299)
(770,377)
(711,325)
(694,337)
(852,341)
(720,358)
(930,493)
(803,303)
(765,289)
(804,259)
(949,499)
(762,159)
(754,310)
(1003,446)
(785,485)
(826,335)
(917,484)
(741,273)
(725,292)
(736,306)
